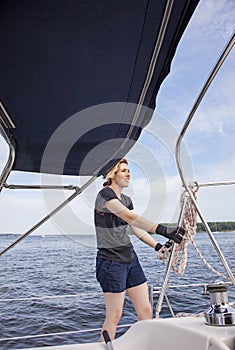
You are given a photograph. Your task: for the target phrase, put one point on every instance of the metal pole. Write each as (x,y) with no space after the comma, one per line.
(151,298)
(215,183)
(199,99)
(108,341)
(169,264)
(11,158)
(52,213)
(169,306)
(41,187)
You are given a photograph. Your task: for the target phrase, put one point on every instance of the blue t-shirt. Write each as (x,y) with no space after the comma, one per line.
(113,241)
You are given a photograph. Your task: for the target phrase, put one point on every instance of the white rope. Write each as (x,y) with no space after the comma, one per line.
(207,264)
(48,334)
(49,297)
(189,223)
(61,333)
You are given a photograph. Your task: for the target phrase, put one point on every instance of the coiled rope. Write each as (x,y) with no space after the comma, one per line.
(189,223)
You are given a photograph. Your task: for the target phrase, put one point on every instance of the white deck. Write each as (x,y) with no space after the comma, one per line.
(166,334)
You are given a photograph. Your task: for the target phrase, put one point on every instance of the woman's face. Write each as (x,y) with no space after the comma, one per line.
(122,177)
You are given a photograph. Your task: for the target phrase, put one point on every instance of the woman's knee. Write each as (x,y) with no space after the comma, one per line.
(145,312)
(114,316)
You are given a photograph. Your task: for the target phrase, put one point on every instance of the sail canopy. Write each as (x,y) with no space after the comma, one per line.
(79,79)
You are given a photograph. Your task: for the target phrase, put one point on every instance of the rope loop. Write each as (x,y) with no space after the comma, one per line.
(164,253)
(189,223)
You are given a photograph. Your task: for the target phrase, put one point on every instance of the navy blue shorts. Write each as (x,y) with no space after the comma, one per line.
(115,277)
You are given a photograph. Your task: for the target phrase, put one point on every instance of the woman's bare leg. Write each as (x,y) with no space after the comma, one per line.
(140,300)
(114,305)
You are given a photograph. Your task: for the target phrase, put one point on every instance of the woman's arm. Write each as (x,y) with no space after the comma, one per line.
(173,233)
(144,237)
(117,208)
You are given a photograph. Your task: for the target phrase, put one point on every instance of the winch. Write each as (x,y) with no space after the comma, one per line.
(220,312)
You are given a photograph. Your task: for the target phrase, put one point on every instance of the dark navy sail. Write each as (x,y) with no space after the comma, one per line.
(61,57)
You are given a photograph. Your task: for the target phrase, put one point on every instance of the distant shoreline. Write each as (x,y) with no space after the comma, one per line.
(216,226)
(222,226)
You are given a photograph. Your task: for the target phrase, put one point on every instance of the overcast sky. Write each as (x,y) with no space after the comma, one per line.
(207,153)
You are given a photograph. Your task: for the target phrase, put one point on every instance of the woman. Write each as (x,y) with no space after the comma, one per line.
(117,266)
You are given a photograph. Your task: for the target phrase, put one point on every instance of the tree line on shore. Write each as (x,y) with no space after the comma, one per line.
(222,226)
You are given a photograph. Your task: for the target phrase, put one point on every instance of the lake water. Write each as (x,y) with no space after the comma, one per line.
(61,265)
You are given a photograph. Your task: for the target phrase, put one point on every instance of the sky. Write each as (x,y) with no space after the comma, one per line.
(207,150)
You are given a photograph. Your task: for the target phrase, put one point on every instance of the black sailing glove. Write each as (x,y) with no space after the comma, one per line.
(174,233)
(166,245)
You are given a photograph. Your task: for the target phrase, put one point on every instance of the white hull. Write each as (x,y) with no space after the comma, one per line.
(166,334)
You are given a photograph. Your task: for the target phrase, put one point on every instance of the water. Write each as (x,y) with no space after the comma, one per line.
(61,265)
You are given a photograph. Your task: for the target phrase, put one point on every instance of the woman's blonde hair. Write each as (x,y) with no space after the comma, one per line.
(111,174)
